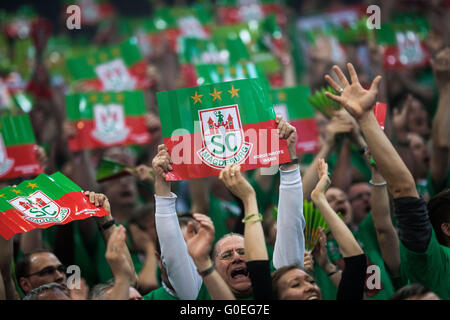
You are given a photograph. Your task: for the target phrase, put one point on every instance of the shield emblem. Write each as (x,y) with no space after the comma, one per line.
(6,163)
(222,137)
(39,208)
(110,124)
(115,76)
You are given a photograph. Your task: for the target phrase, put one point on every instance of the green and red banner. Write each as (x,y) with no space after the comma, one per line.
(208,127)
(114,68)
(173,23)
(403,42)
(292,104)
(106,119)
(17,148)
(43,202)
(237,11)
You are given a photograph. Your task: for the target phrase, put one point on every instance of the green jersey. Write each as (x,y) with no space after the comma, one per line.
(430,268)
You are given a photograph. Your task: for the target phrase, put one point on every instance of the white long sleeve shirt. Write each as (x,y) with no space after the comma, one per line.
(175,257)
(290,240)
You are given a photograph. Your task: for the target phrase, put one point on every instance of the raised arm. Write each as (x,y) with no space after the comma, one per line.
(381,216)
(181,270)
(142,240)
(439,165)
(359,102)
(122,271)
(107,227)
(6,256)
(414,225)
(290,241)
(199,246)
(257,259)
(254,241)
(347,243)
(336,126)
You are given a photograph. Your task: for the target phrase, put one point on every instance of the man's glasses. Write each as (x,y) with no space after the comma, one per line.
(48,271)
(230,254)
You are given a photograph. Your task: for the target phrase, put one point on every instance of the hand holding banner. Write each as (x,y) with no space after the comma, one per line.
(43,202)
(208,127)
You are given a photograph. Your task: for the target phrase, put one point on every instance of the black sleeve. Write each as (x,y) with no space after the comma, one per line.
(353,278)
(259,272)
(414,226)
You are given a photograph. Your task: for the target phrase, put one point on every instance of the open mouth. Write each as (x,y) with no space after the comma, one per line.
(313,298)
(239,273)
(342,210)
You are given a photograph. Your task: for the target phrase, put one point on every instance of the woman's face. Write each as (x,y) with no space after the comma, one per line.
(296,284)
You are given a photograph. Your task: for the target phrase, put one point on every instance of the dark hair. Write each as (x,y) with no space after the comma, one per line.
(22,268)
(439,213)
(34,294)
(409,291)
(276,276)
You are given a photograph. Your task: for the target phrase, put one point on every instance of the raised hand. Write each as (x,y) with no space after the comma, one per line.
(354,98)
(232,178)
(116,255)
(161,166)
(320,252)
(441,66)
(142,240)
(324,180)
(309,262)
(200,243)
(143,173)
(335,126)
(99,200)
(288,132)
(162,162)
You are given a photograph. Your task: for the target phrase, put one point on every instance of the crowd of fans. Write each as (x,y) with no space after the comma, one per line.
(218,237)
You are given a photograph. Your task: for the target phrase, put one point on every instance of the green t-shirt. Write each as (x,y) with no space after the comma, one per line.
(367,239)
(159,294)
(329,291)
(430,268)
(162,294)
(367,236)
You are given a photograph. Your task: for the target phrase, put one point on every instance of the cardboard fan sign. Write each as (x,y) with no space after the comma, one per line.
(115,68)
(17,148)
(106,119)
(208,127)
(292,104)
(43,202)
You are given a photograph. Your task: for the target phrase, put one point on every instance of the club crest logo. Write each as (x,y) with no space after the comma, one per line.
(40,209)
(115,76)
(223,137)
(110,123)
(6,163)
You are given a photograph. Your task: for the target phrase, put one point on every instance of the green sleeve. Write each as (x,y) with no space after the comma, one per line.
(431,268)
